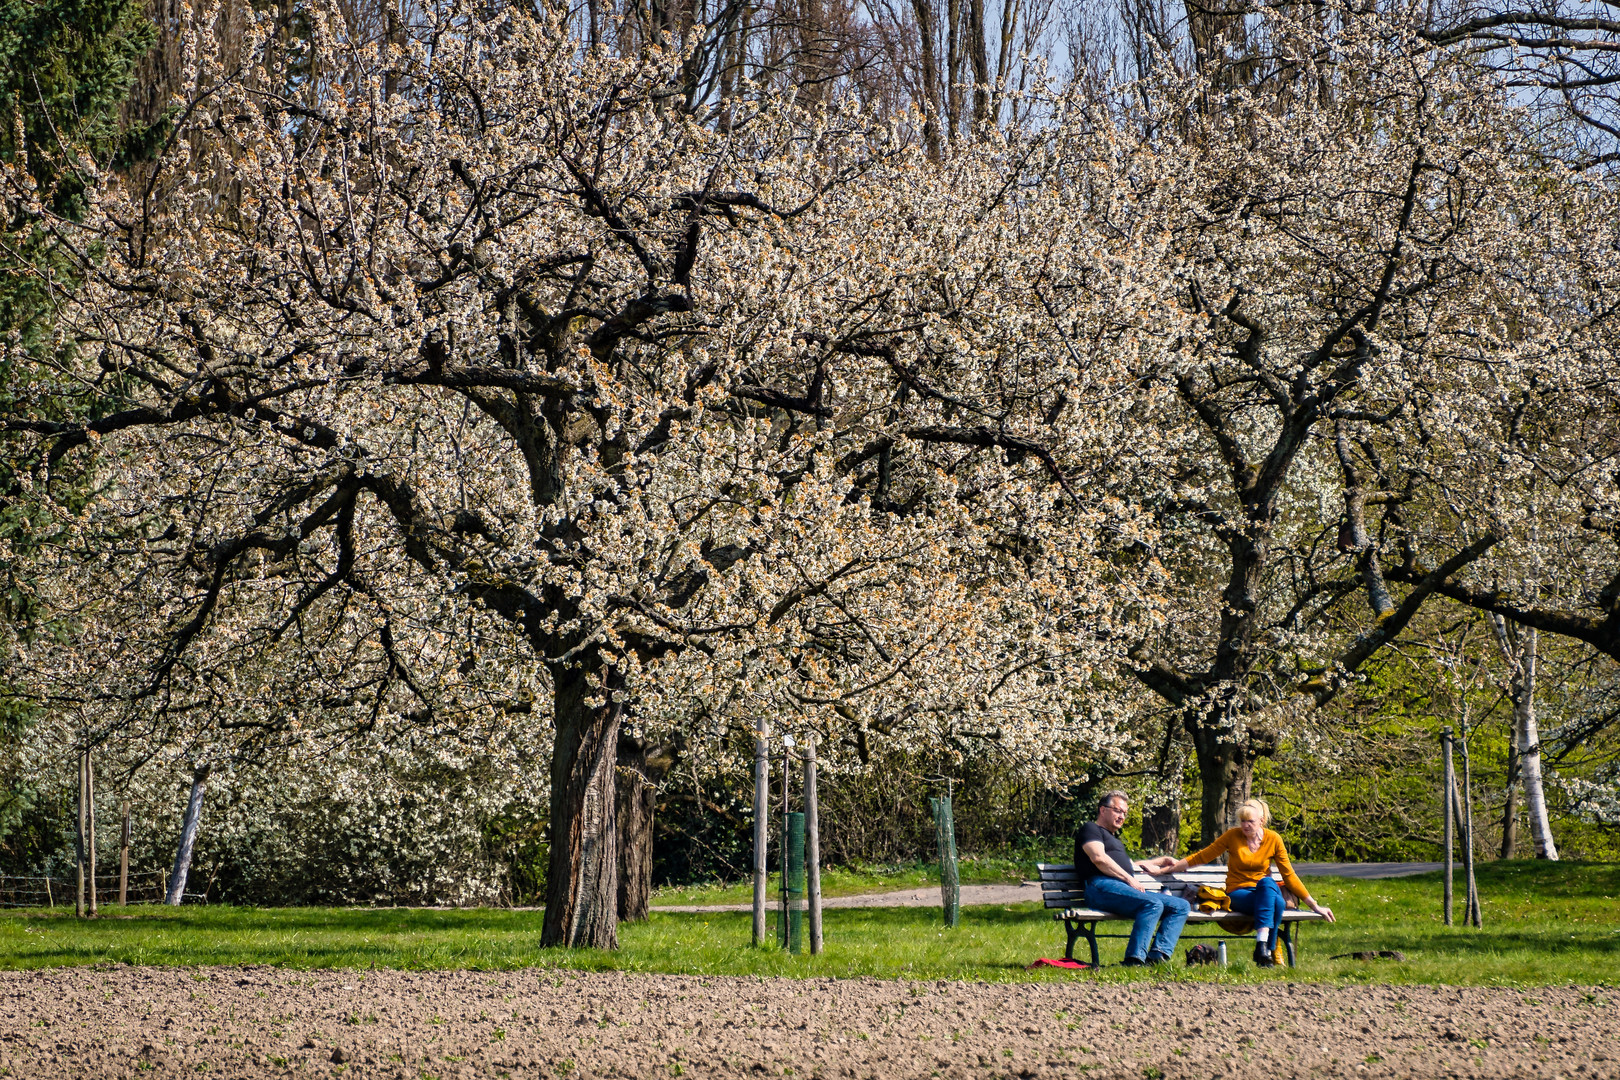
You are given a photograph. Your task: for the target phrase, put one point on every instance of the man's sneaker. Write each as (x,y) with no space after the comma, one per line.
(1131,961)
(1155,959)
(1262,956)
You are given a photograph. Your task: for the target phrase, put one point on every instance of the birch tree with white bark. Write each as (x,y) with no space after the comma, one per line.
(1520,652)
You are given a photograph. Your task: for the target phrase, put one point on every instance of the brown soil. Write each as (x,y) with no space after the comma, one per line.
(258,1022)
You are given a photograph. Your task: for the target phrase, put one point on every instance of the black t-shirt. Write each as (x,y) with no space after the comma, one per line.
(1111,847)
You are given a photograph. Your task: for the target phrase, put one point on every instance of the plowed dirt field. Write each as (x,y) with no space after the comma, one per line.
(272,1022)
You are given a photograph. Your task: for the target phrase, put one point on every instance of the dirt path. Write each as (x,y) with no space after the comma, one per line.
(73,1023)
(928,896)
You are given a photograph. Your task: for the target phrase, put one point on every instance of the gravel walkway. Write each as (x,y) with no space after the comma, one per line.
(1030,891)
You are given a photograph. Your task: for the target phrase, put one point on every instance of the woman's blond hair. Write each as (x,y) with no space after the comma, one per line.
(1255,808)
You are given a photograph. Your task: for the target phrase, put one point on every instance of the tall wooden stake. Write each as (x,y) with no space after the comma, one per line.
(812,851)
(90,825)
(950,884)
(762,802)
(123,859)
(787,761)
(1472,914)
(78,846)
(1447,794)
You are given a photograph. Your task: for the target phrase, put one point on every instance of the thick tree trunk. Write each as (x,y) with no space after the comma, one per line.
(1161,829)
(188,837)
(1226,777)
(642,766)
(637,796)
(582,877)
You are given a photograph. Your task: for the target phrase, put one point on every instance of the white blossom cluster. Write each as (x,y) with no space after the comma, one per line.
(371,821)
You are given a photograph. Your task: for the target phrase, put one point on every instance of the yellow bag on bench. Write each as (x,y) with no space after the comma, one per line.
(1212,900)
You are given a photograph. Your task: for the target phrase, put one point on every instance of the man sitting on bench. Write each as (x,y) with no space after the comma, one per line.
(1106,870)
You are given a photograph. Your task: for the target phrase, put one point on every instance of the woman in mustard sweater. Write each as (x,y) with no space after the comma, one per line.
(1250,850)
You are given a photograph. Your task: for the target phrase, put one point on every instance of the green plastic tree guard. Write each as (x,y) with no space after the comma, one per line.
(794,882)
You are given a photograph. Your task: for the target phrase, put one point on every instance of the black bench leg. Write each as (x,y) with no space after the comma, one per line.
(1075,930)
(1290,930)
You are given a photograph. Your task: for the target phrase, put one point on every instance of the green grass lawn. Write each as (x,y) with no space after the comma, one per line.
(1544,924)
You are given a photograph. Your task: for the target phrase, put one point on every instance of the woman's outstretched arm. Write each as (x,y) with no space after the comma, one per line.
(1296,886)
(1197,858)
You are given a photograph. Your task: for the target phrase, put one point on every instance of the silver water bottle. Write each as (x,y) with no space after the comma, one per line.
(1223,954)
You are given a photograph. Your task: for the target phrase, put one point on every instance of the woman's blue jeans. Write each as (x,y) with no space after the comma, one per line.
(1152,911)
(1264,903)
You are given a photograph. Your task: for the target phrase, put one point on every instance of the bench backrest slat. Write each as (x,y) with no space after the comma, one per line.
(1062,887)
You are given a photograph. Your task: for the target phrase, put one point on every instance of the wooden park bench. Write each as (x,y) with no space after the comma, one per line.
(1062,888)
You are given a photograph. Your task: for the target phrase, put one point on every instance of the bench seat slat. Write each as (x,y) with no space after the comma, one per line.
(1092,914)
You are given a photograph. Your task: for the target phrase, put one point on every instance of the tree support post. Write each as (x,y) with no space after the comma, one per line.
(90,827)
(1449,786)
(123,859)
(1471,915)
(787,764)
(950,882)
(78,846)
(812,852)
(762,802)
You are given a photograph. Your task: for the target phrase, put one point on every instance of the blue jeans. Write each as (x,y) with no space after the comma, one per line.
(1264,902)
(1150,910)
